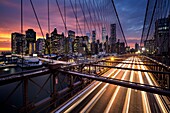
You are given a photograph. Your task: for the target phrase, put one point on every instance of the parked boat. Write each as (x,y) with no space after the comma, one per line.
(29,62)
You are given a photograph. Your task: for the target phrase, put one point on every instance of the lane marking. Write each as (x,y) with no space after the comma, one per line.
(109,105)
(82,98)
(88,107)
(158,99)
(128,94)
(145,101)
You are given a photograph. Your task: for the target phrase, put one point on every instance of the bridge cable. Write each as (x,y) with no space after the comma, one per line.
(119,22)
(84,16)
(98,15)
(22,30)
(65,16)
(76,17)
(65,26)
(91,19)
(95,16)
(48,7)
(150,24)
(144,24)
(40,26)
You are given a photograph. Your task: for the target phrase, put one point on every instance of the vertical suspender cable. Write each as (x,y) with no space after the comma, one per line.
(21,16)
(39,26)
(76,17)
(144,24)
(22,30)
(91,20)
(96,23)
(151,20)
(65,16)
(48,5)
(85,20)
(98,15)
(37,18)
(119,22)
(65,26)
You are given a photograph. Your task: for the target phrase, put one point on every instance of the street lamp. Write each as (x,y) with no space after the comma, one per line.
(143,48)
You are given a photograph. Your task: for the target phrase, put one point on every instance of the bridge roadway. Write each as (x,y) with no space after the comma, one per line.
(103,97)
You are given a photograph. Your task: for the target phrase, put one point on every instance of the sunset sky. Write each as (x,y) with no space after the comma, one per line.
(131,14)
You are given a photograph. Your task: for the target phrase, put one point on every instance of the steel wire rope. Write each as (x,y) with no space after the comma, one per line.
(119,22)
(144,24)
(76,17)
(65,26)
(36,16)
(84,16)
(150,24)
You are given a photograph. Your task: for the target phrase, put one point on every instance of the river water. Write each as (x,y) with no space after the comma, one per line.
(11,104)
(10,70)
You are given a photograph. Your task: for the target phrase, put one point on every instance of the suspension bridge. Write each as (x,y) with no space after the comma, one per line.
(125,82)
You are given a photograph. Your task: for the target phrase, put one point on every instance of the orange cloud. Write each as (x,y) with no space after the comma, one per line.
(5,49)
(5,36)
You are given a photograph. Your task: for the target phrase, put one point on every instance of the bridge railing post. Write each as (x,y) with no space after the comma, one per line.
(168,81)
(26,107)
(53,95)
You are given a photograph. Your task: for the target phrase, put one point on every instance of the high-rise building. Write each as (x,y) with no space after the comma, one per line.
(66,45)
(112,38)
(97,46)
(94,48)
(31,39)
(149,46)
(48,44)
(18,43)
(76,45)
(136,47)
(122,48)
(88,35)
(103,35)
(113,33)
(57,42)
(107,45)
(86,44)
(93,36)
(40,46)
(80,45)
(162,36)
(71,37)
(71,34)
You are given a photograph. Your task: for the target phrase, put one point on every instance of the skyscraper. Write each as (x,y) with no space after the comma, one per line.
(113,33)
(162,33)
(136,47)
(40,46)
(31,39)
(71,37)
(107,44)
(93,36)
(57,42)
(112,37)
(18,43)
(103,35)
(71,34)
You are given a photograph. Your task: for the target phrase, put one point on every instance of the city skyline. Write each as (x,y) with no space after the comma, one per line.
(12,9)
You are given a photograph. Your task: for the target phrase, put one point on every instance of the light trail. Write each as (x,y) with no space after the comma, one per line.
(115,93)
(145,101)
(88,107)
(158,99)
(128,94)
(90,89)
